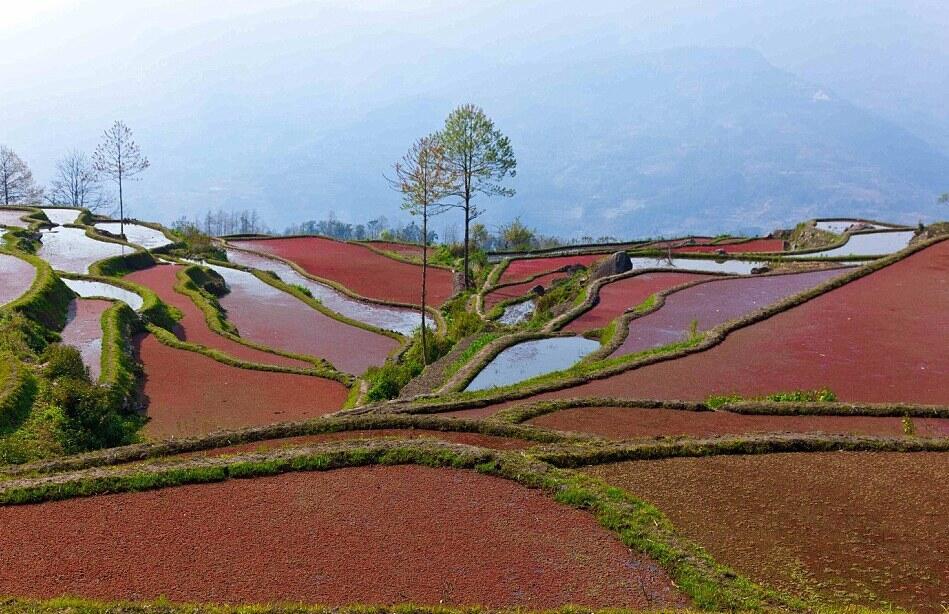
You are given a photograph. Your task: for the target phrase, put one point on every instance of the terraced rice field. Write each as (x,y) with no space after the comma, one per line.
(137,234)
(291,325)
(869,341)
(358,268)
(714,303)
(854,527)
(631,423)
(16,277)
(400,320)
(71,251)
(11,218)
(83,331)
(385,535)
(530,359)
(187,393)
(619,296)
(867,244)
(408,250)
(193,327)
(522,268)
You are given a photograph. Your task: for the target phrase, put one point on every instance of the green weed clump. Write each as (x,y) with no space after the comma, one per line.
(821,395)
(385,382)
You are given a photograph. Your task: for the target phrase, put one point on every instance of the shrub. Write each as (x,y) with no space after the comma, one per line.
(63,361)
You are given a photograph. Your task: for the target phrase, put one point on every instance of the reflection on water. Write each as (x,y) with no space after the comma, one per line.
(530,359)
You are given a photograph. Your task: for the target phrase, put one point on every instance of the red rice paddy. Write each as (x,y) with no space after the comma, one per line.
(379,535)
(628,423)
(863,527)
(365,272)
(193,327)
(619,296)
(715,303)
(83,331)
(528,267)
(190,394)
(404,249)
(16,277)
(873,340)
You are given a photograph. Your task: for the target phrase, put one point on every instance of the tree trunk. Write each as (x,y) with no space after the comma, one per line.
(424,280)
(121,209)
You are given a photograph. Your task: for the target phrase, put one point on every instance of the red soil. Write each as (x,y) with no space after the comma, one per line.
(404,249)
(369,535)
(619,296)
(16,277)
(874,340)
(193,326)
(83,331)
(628,423)
(528,267)
(859,523)
(754,245)
(190,394)
(502,294)
(715,303)
(358,268)
(290,324)
(472,439)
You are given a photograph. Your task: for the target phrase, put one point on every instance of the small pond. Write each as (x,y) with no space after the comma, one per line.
(517,313)
(530,359)
(737,267)
(16,277)
(87,289)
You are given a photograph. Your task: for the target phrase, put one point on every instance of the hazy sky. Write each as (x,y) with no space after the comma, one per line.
(175,69)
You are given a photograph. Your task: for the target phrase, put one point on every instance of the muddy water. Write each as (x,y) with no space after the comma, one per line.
(403,321)
(88,289)
(83,331)
(137,234)
(70,250)
(530,359)
(16,277)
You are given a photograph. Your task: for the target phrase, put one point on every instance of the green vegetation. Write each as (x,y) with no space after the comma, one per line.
(194,244)
(822,395)
(476,346)
(555,301)
(302,290)
(386,381)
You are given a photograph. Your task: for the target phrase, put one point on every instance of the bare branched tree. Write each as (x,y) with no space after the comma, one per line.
(76,183)
(16,180)
(119,158)
(424,179)
(480,157)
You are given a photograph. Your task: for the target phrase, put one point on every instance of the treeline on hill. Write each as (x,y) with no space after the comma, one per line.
(513,236)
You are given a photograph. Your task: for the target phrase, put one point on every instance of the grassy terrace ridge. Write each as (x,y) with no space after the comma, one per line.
(598,369)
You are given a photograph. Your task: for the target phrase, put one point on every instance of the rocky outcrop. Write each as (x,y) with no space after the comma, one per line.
(614,265)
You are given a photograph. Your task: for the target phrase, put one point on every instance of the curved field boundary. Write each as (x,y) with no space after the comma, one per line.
(603,369)
(433,313)
(175,241)
(861,220)
(637,524)
(120,371)
(752,245)
(506,294)
(339,285)
(9,214)
(47,300)
(401,256)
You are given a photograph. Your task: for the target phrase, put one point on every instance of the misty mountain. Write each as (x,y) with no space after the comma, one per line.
(687,140)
